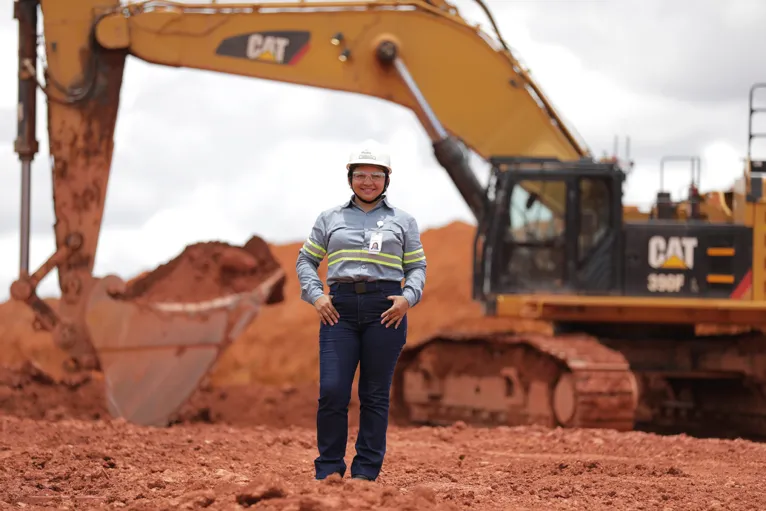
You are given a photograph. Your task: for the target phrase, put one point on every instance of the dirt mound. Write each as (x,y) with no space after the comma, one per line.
(204,271)
(201,272)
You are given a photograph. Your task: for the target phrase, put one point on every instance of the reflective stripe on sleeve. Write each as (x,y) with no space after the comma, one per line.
(414,256)
(314,249)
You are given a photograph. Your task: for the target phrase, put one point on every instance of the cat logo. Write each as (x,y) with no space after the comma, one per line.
(267,47)
(672,253)
(278,47)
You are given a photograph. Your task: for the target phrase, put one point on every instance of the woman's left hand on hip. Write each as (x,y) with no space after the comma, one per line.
(397,311)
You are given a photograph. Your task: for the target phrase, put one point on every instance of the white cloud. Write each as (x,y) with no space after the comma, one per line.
(203,156)
(702,50)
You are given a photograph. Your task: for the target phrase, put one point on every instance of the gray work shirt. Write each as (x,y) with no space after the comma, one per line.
(382,244)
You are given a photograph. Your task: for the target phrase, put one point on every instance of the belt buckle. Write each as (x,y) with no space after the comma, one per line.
(360,287)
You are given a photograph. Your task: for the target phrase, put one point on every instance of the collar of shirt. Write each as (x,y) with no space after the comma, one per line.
(350,203)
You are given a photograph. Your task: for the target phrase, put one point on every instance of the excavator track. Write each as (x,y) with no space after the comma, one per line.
(516,379)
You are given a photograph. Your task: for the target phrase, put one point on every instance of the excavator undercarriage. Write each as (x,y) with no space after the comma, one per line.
(709,385)
(511,379)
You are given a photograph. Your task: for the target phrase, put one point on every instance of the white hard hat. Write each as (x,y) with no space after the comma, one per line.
(369,153)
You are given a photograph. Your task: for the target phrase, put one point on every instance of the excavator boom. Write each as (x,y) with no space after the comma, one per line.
(343,46)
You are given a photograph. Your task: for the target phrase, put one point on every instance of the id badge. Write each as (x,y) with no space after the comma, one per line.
(376,241)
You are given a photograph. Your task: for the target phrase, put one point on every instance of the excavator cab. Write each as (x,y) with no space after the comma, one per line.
(556,231)
(533,245)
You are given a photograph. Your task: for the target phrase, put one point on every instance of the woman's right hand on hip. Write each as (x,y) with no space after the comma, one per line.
(326,310)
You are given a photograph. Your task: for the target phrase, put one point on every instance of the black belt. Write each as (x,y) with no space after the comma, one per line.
(362,287)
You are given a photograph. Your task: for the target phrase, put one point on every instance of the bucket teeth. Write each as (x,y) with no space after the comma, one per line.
(154,355)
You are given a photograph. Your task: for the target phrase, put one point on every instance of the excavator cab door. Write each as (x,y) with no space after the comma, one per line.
(553,227)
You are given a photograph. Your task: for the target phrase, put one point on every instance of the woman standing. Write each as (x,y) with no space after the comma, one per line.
(371,247)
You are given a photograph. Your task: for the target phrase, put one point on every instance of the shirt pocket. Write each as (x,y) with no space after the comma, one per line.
(393,238)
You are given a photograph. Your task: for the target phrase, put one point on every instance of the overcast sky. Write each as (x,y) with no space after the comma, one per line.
(203,156)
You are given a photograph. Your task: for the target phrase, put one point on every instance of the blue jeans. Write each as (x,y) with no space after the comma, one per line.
(358,338)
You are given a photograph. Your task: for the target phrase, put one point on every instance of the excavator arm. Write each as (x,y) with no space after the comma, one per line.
(461,85)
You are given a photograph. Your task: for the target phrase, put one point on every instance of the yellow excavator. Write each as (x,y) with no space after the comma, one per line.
(623,289)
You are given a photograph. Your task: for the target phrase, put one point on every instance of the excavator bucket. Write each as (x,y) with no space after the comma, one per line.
(154,355)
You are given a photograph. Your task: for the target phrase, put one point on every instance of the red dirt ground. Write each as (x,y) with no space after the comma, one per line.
(233,446)
(77,464)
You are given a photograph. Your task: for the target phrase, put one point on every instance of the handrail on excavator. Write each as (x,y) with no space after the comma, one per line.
(753,110)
